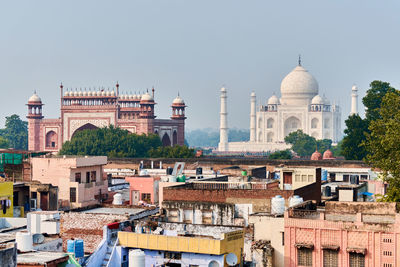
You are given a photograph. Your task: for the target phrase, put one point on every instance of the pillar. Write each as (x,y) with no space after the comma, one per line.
(253,117)
(223,128)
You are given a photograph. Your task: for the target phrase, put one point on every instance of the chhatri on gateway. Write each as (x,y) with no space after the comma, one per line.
(300,107)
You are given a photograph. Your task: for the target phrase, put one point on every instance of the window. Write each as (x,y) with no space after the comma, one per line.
(304,178)
(304,256)
(78,177)
(387,253)
(172,255)
(387,265)
(387,240)
(283,238)
(34,195)
(192,265)
(356,259)
(72,194)
(310,178)
(146,197)
(93,176)
(297,178)
(53,144)
(331,258)
(87,177)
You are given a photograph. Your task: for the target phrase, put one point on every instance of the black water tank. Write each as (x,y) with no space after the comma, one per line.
(199,171)
(328,192)
(169,170)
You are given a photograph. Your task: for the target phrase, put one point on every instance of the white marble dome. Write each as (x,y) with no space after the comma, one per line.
(298,87)
(317,100)
(35,98)
(178,100)
(273,100)
(147,97)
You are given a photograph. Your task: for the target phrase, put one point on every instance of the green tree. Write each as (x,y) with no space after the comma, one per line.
(355,135)
(383,144)
(357,129)
(172,152)
(16,132)
(3,142)
(304,145)
(281,154)
(337,150)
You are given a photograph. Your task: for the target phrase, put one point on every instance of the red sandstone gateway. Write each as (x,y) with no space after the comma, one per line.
(97,108)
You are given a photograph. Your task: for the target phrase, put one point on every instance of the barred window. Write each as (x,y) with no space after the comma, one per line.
(356,259)
(72,194)
(304,256)
(331,258)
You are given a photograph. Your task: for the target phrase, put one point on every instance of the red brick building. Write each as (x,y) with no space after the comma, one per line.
(91,109)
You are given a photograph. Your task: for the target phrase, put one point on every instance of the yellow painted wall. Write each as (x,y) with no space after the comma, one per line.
(6,192)
(231,243)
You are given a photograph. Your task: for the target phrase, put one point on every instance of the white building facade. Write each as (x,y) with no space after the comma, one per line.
(300,107)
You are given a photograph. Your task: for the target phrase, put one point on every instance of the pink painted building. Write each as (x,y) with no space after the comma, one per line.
(79,179)
(143,188)
(347,234)
(82,110)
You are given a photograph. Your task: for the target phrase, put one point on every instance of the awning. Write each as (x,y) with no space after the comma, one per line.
(331,247)
(357,250)
(367,194)
(304,245)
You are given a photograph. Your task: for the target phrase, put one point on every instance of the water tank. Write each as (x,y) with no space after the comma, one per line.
(181,179)
(295,200)
(277,205)
(169,170)
(79,250)
(137,258)
(143,173)
(328,191)
(324,175)
(199,171)
(172,179)
(117,199)
(244,173)
(71,246)
(24,241)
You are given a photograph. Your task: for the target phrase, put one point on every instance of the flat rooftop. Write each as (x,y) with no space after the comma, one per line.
(114,211)
(40,257)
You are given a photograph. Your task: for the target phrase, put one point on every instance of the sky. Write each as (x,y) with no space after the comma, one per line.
(194,48)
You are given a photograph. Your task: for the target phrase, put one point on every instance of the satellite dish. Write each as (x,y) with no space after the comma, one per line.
(213,264)
(231,259)
(38,238)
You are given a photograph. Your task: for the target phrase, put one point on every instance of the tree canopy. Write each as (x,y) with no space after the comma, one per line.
(357,128)
(281,154)
(15,132)
(383,146)
(118,143)
(304,145)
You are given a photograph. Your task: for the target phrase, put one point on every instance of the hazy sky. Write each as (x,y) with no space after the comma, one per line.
(194,47)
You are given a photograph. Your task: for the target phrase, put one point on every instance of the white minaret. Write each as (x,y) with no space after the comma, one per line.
(223,124)
(253,117)
(354,100)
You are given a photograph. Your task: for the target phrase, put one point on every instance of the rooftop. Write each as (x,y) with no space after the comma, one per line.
(41,257)
(114,211)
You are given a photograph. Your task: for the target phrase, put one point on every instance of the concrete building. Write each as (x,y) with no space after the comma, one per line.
(143,188)
(300,107)
(79,179)
(35,195)
(344,234)
(270,230)
(297,177)
(92,109)
(228,203)
(43,259)
(182,245)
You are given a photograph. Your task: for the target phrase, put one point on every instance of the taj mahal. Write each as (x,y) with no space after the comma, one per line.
(300,106)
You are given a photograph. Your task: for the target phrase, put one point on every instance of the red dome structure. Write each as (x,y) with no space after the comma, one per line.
(328,155)
(316,155)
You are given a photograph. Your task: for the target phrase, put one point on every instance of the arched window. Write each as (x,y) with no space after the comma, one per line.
(314,123)
(87,126)
(166,141)
(260,123)
(292,124)
(260,137)
(51,139)
(174,138)
(270,123)
(270,137)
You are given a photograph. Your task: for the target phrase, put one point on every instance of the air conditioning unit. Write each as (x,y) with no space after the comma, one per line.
(33,204)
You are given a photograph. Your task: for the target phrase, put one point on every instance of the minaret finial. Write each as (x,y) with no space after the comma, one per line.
(299,60)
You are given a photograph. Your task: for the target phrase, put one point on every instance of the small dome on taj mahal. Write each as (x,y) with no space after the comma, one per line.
(273,100)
